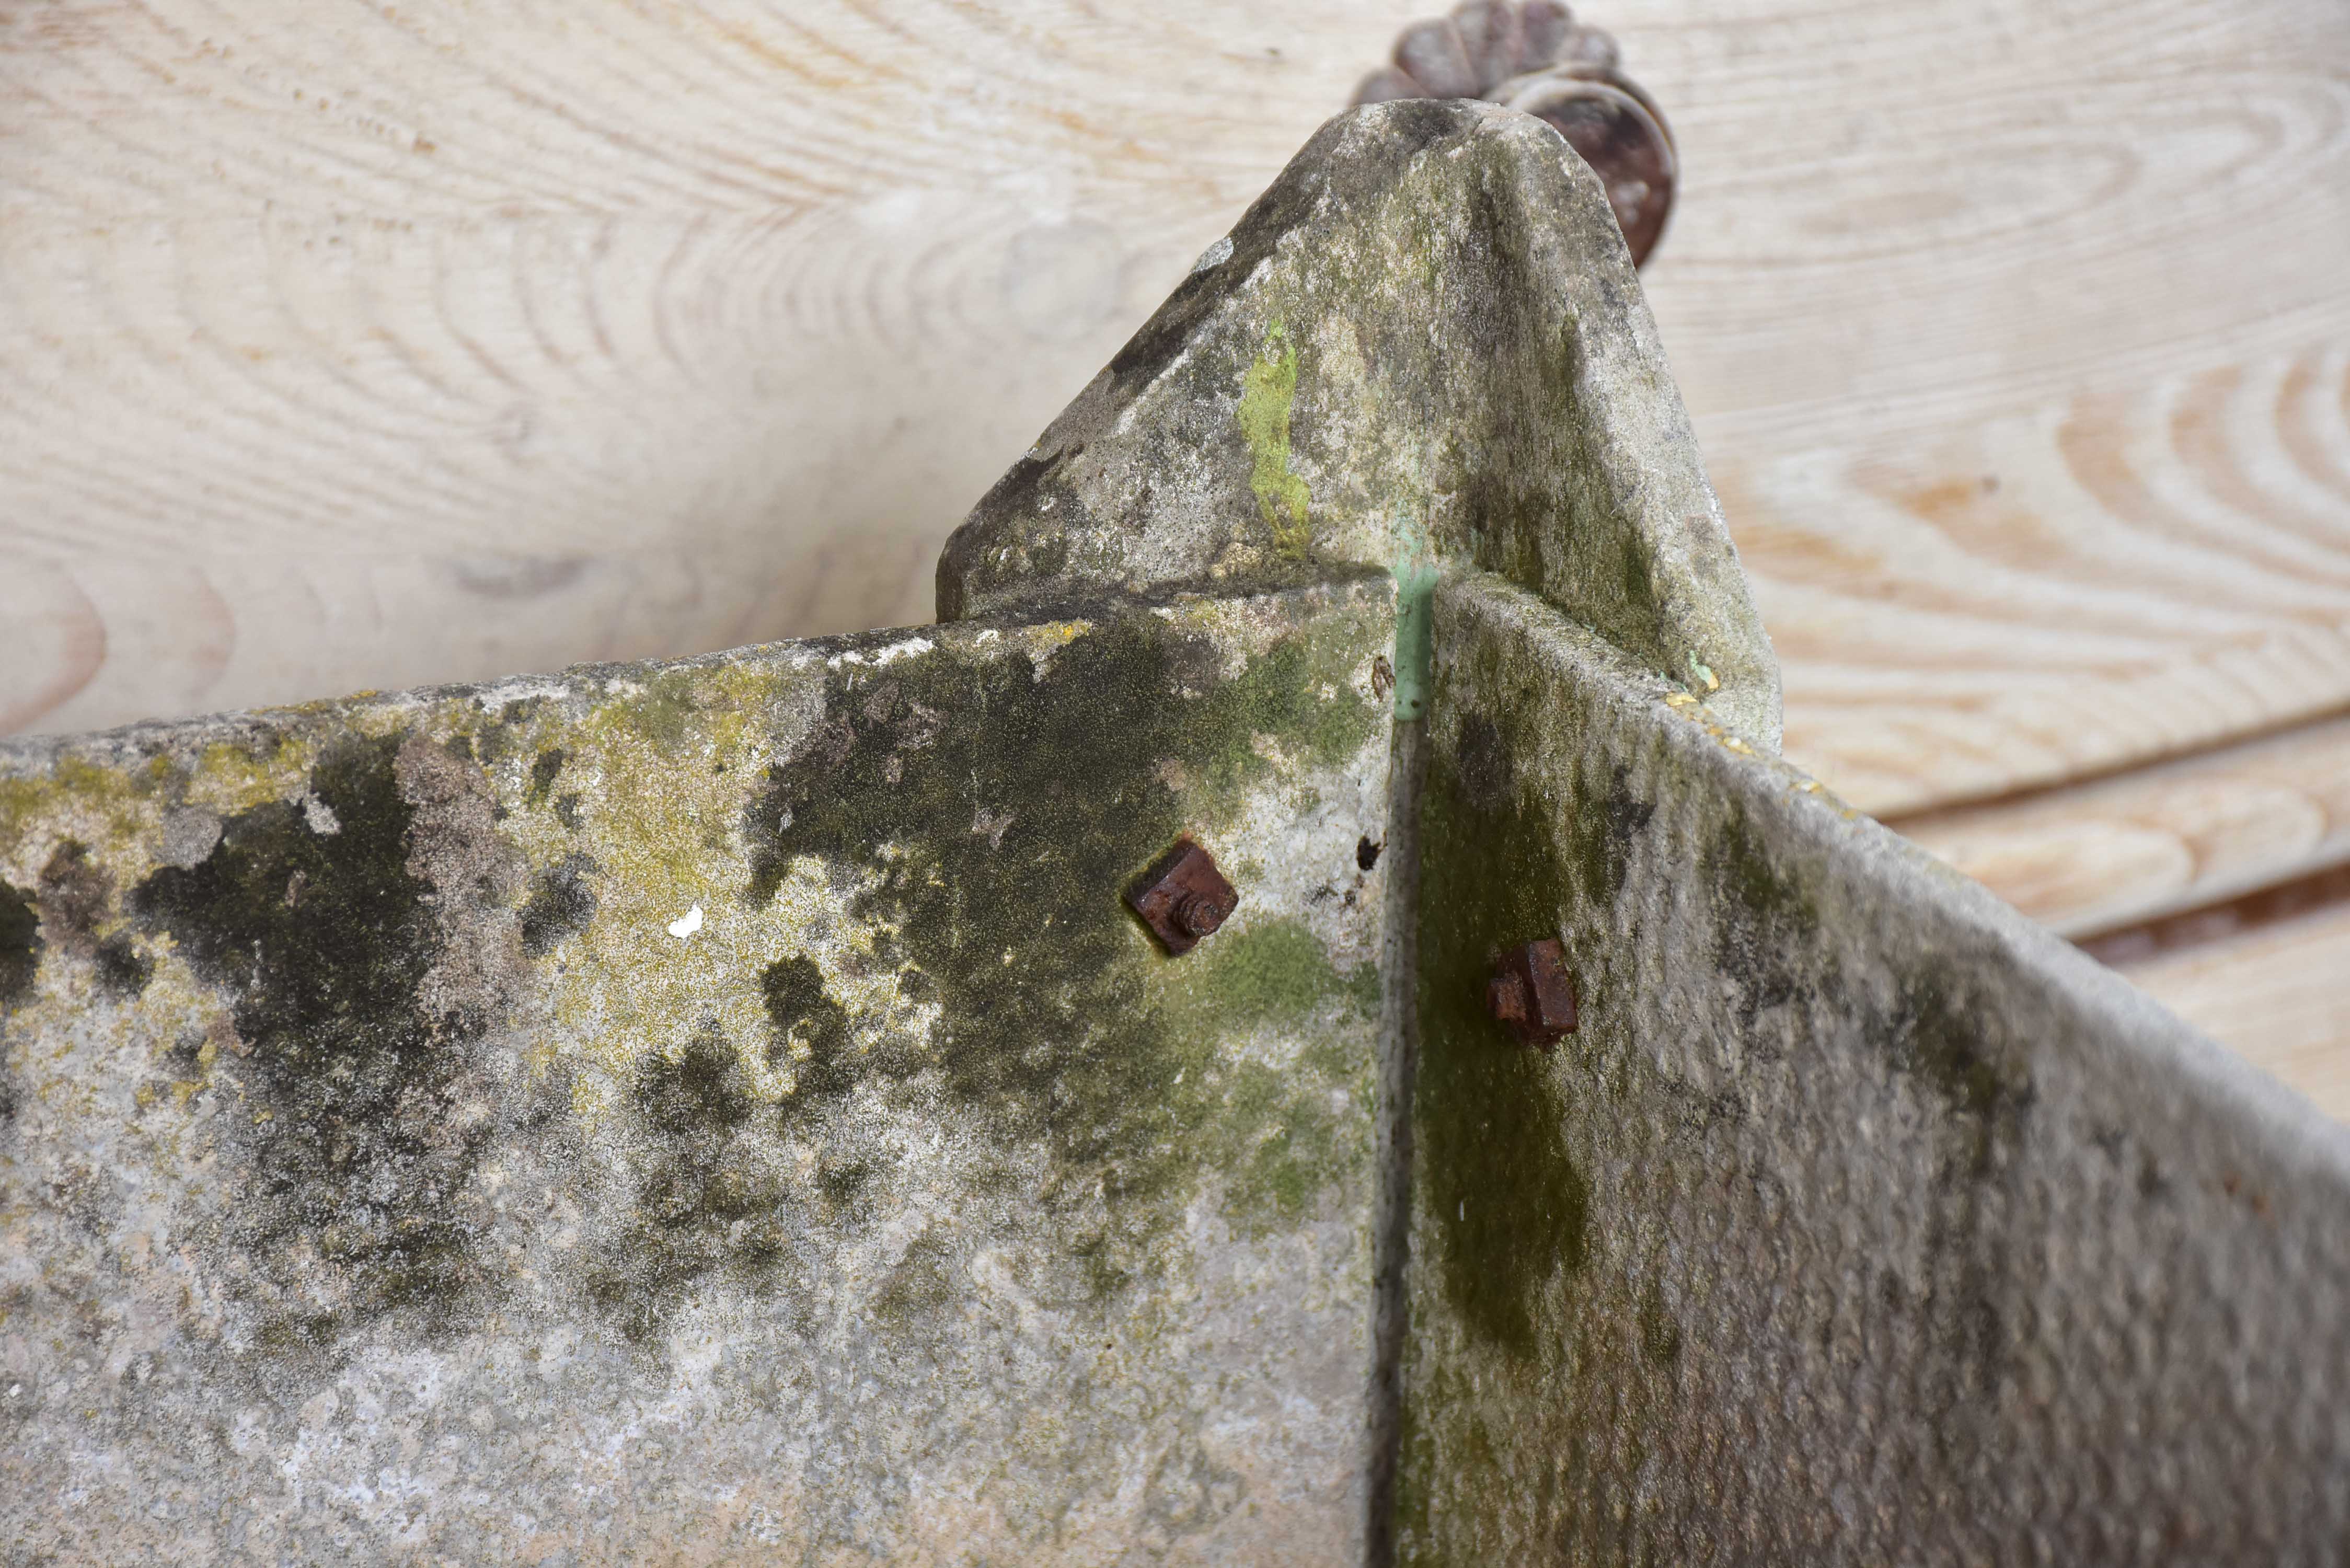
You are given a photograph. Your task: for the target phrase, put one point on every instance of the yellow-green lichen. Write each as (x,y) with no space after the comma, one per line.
(744,916)
(1268,391)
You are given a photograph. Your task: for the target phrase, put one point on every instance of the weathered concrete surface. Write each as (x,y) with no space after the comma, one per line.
(712,1112)
(1862,1221)
(1424,344)
(722,1111)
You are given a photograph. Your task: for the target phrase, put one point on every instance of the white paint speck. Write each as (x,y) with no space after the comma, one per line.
(882,657)
(906,649)
(682,929)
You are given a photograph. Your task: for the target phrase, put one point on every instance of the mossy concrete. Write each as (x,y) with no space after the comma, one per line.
(1861,1221)
(722,1111)
(705,1112)
(1425,344)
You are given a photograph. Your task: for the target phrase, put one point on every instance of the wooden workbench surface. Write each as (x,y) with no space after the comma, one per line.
(359,345)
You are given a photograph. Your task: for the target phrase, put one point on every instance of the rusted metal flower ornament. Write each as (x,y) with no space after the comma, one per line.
(1536,57)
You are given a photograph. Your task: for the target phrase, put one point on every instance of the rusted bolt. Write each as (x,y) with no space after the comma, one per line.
(1531,993)
(1532,56)
(1200,914)
(1182,897)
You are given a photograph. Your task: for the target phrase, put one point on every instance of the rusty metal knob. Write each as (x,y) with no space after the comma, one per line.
(1506,1000)
(1182,897)
(1536,58)
(1201,914)
(1531,993)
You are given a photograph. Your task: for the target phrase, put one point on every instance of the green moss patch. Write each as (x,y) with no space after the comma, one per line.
(1509,1206)
(1073,770)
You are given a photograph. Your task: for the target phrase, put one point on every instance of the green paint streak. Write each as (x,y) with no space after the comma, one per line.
(1268,389)
(1415,577)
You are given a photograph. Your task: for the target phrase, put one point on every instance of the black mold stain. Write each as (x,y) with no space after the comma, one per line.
(492,743)
(1943,1037)
(542,774)
(1945,1031)
(811,1030)
(922,1283)
(1600,836)
(1942,1031)
(1765,939)
(1487,775)
(1948,1034)
(76,896)
(20,945)
(186,1056)
(561,904)
(122,970)
(1510,1206)
(709,1197)
(324,942)
(842,1182)
(1019,934)
(1661,1337)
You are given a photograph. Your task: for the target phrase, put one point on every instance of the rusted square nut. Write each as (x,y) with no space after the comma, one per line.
(1182,897)
(1531,995)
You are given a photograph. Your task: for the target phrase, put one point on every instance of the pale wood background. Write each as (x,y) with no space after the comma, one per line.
(353,345)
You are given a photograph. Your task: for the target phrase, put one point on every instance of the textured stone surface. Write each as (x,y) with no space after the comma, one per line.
(704,1113)
(1862,1221)
(723,1112)
(1424,344)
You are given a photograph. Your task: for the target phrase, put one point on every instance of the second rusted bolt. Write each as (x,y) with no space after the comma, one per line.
(1531,993)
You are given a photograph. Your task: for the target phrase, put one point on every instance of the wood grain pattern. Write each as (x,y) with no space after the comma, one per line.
(2060,591)
(2090,858)
(317,315)
(2277,995)
(2017,335)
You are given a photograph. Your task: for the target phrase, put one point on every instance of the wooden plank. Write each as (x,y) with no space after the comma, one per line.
(353,346)
(2066,590)
(2278,995)
(2090,857)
